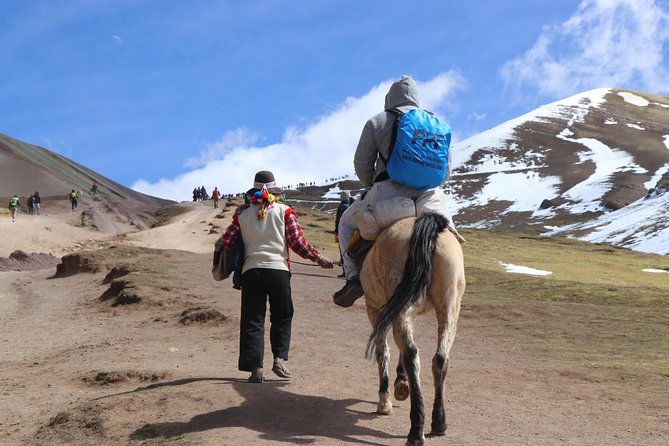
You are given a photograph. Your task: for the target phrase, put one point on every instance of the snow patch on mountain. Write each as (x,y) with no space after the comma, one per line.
(573,108)
(652,183)
(634,99)
(635,226)
(588,194)
(513,187)
(518,269)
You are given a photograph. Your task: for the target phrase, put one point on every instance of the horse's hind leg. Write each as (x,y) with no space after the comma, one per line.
(403,333)
(446,335)
(385,405)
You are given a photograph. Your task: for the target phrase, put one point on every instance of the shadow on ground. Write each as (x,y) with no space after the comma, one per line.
(277,415)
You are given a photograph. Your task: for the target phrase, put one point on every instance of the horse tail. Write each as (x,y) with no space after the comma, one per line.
(416,277)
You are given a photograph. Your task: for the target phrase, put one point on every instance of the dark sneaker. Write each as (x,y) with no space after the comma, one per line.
(279,368)
(256,375)
(349,294)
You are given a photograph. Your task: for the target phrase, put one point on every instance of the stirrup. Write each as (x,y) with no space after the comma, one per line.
(358,248)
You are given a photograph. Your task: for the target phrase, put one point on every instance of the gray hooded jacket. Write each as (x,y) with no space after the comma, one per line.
(376,135)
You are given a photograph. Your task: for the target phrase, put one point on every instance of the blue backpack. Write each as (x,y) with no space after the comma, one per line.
(419,145)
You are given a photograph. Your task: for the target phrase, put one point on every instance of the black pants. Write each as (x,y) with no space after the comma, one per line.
(257,285)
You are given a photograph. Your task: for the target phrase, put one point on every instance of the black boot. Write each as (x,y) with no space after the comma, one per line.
(349,294)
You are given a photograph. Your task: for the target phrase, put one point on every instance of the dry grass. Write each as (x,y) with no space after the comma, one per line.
(597,308)
(318,228)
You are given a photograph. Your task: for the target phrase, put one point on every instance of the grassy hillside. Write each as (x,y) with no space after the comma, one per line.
(581,272)
(597,308)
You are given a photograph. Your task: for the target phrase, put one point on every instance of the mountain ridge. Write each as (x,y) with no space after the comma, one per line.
(27,168)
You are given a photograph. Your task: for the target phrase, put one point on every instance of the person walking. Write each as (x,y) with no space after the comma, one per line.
(14,206)
(268,229)
(344,202)
(74,200)
(215,195)
(37,203)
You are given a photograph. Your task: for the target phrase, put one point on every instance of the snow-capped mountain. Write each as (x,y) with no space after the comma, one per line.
(594,166)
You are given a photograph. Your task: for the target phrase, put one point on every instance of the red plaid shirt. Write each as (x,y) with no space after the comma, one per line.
(294,235)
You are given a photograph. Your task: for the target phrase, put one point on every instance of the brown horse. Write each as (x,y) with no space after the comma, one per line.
(415,264)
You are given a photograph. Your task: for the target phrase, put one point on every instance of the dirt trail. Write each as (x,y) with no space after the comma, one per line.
(194,231)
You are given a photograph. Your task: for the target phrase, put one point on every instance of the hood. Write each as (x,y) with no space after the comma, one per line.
(403,91)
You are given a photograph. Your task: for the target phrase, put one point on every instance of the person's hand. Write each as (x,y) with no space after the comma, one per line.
(324,262)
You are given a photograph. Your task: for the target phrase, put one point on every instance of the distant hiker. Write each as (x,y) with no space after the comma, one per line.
(344,202)
(414,177)
(196,194)
(215,195)
(94,188)
(203,194)
(30,204)
(14,206)
(267,228)
(37,203)
(74,199)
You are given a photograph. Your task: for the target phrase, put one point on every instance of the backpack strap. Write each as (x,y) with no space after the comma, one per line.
(393,137)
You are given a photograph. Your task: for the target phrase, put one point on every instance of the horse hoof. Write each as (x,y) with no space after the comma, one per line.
(438,427)
(401,389)
(420,441)
(384,408)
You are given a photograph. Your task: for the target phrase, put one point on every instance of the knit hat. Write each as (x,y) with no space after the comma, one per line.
(264,178)
(344,195)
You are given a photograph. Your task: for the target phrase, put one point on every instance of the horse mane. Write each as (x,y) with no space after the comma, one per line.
(416,277)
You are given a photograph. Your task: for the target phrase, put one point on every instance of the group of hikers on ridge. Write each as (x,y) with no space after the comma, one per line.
(402,159)
(200,194)
(34,204)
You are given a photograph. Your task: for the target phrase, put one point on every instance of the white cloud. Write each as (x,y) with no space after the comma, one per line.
(322,150)
(233,139)
(606,43)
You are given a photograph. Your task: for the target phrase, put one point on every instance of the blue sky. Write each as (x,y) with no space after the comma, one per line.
(167,95)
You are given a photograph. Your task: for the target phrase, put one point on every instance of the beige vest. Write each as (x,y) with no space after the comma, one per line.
(264,240)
